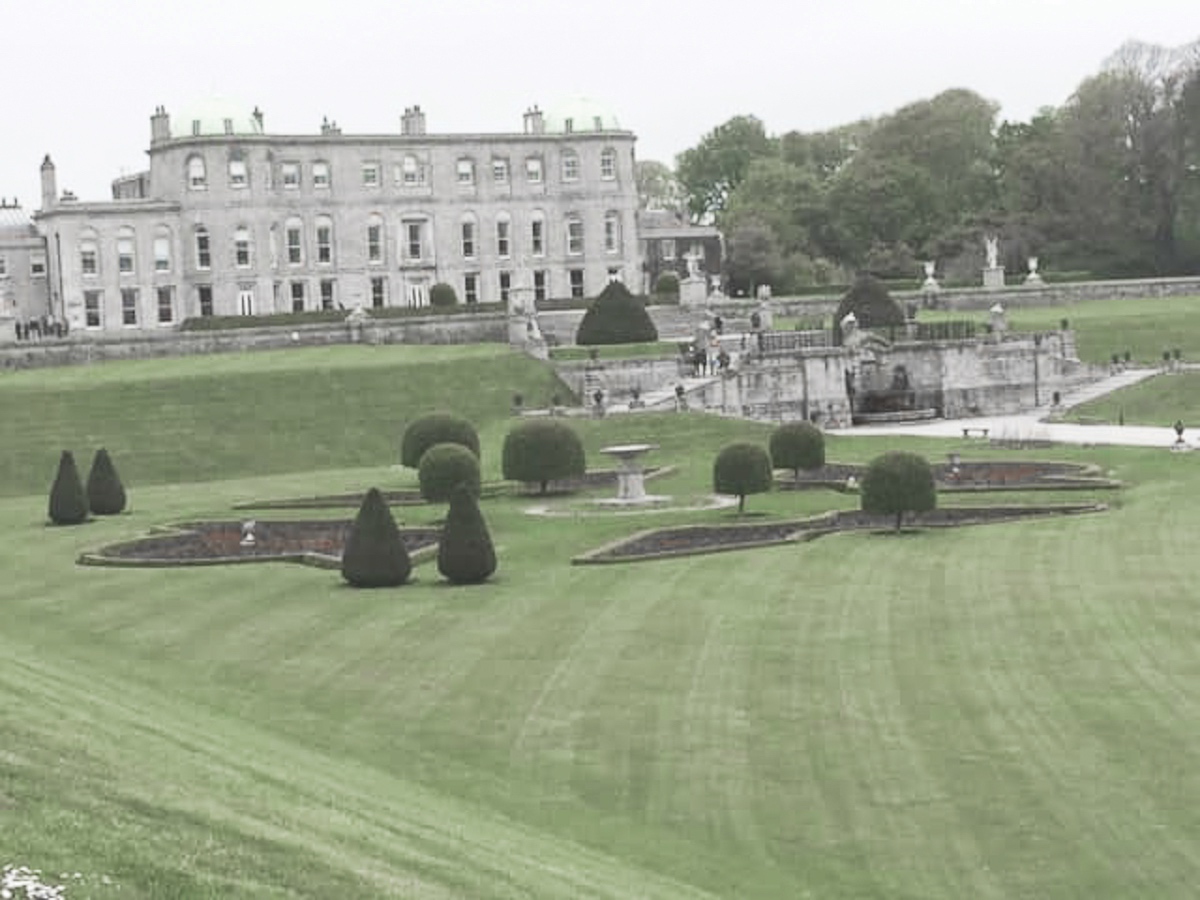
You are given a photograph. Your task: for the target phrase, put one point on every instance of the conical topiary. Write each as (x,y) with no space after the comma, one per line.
(465,553)
(105,493)
(68,502)
(374,555)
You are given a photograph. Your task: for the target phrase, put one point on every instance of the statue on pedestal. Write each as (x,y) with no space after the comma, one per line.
(992,246)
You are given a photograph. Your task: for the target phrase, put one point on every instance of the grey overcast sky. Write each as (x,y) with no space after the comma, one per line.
(81,78)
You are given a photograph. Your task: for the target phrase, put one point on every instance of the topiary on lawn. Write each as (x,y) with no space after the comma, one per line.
(616,317)
(442,296)
(541,451)
(68,502)
(667,287)
(872,305)
(436,428)
(375,555)
(796,446)
(896,483)
(105,493)
(443,467)
(740,469)
(465,552)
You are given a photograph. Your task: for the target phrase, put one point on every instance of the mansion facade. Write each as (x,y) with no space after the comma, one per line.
(231,220)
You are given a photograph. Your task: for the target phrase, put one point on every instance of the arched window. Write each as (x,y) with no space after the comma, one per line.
(203,248)
(324,240)
(89,252)
(126,251)
(537,233)
(570,165)
(608,164)
(242,247)
(197,178)
(469,231)
(503,235)
(574,235)
(162,249)
(376,239)
(612,232)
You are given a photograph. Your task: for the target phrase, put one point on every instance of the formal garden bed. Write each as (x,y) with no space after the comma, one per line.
(984,475)
(690,540)
(316,542)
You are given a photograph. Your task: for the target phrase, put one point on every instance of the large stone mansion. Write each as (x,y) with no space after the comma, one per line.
(232,220)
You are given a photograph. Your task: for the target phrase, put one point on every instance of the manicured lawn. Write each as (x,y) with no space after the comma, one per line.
(1158,401)
(998,711)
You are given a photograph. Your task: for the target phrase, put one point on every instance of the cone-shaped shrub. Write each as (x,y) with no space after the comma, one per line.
(436,428)
(541,451)
(105,493)
(872,305)
(796,446)
(465,553)
(444,467)
(68,502)
(616,317)
(375,555)
(740,469)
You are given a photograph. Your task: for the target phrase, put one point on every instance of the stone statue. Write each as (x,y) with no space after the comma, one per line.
(693,264)
(992,243)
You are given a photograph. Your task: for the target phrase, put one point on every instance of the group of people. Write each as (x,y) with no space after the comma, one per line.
(41,328)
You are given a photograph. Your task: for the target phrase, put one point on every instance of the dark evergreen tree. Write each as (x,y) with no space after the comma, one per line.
(68,502)
(541,451)
(375,555)
(616,317)
(465,553)
(436,428)
(740,469)
(444,467)
(872,305)
(796,446)
(105,493)
(898,482)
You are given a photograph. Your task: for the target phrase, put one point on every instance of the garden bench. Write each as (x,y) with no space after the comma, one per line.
(975,431)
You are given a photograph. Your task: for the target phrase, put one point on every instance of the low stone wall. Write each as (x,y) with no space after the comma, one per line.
(619,376)
(86,347)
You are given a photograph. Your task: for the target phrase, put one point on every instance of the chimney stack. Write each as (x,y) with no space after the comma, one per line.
(49,183)
(160,125)
(535,123)
(413,121)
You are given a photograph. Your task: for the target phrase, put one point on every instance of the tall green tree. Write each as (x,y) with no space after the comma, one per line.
(712,170)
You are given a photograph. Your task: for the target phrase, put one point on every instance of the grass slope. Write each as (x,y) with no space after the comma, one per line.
(1157,401)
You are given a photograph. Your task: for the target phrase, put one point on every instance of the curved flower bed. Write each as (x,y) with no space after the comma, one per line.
(688,540)
(316,542)
(983,475)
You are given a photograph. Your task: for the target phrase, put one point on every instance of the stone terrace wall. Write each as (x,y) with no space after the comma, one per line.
(81,348)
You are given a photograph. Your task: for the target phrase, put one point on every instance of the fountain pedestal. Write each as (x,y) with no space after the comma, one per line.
(631,476)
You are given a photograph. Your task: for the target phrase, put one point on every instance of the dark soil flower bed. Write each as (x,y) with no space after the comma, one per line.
(688,540)
(1007,475)
(318,542)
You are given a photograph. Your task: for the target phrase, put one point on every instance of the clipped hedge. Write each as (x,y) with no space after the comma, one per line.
(616,317)
(896,483)
(375,555)
(436,428)
(796,446)
(465,553)
(442,296)
(105,492)
(539,451)
(444,467)
(742,468)
(68,502)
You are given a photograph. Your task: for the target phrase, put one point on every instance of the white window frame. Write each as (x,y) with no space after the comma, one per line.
(574,236)
(239,174)
(197,173)
(162,251)
(570,166)
(376,241)
(167,291)
(534,172)
(612,233)
(324,235)
(500,170)
(289,175)
(243,257)
(203,246)
(537,234)
(294,229)
(129,310)
(503,236)
(608,164)
(471,287)
(126,252)
(90,307)
(468,237)
(370,175)
(320,175)
(464,172)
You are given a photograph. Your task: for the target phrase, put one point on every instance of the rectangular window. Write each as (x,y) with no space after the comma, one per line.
(374,243)
(610,235)
(93,309)
(325,244)
(370,175)
(539,286)
(537,239)
(502,228)
(129,306)
(166,305)
(4,266)
(505,286)
(668,249)
(320,175)
(294,254)
(297,296)
(576,277)
(237,173)
(575,237)
(203,251)
(465,173)
(37,264)
(608,165)
(125,256)
(87,261)
(204,299)
(533,170)
(291,175)
(246,299)
(471,288)
(162,254)
(570,167)
(378,292)
(411,173)
(241,249)
(500,171)
(412,231)
(468,240)
(327,293)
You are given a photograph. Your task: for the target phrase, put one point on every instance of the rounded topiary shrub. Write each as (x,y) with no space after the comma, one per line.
(105,493)
(68,502)
(465,552)
(375,555)
(442,296)
(436,428)
(740,469)
(796,446)
(616,317)
(667,286)
(445,466)
(539,451)
(896,483)
(872,305)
